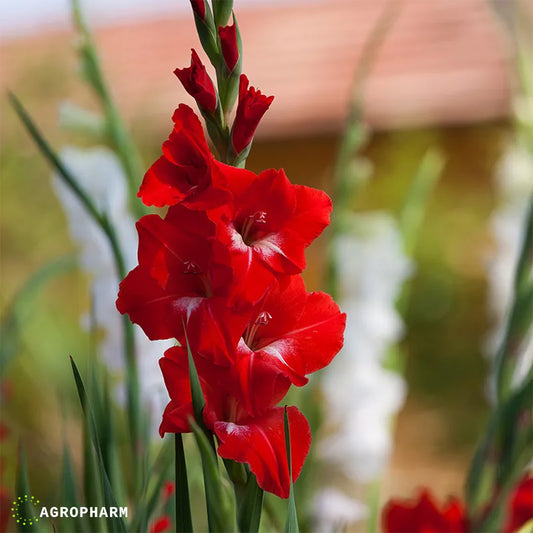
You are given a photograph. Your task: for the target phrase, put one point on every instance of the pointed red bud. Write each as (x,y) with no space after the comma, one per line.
(228,43)
(198,84)
(251,108)
(198,6)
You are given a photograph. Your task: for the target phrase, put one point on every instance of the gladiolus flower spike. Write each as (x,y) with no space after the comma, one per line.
(221,273)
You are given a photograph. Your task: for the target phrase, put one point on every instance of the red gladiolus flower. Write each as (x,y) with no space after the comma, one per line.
(256,440)
(423,515)
(228,43)
(260,442)
(521,505)
(250,109)
(183,174)
(161,525)
(178,280)
(220,273)
(198,84)
(291,332)
(198,6)
(268,226)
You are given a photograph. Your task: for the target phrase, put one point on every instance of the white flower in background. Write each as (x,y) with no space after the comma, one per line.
(514,183)
(362,442)
(99,174)
(361,395)
(333,511)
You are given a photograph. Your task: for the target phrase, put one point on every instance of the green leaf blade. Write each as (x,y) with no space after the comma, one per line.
(183,505)
(249,505)
(291,525)
(220,504)
(116,524)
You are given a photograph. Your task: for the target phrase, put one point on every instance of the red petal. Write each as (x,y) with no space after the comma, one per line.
(147,304)
(304,333)
(163,184)
(177,413)
(187,145)
(252,278)
(312,213)
(184,171)
(236,179)
(260,442)
(260,389)
(213,330)
(272,193)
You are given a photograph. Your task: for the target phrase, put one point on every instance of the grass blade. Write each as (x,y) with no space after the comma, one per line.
(118,134)
(249,505)
(183,505)
(116,523)
(220,505)
(150,498)
(501,456)
(52,157)
(291,525)
(24,510)
(68,492)
(414,206)
(198,400)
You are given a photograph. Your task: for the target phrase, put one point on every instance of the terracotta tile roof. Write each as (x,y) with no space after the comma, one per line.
(441,62)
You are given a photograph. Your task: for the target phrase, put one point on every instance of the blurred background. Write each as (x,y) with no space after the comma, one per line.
(443,76)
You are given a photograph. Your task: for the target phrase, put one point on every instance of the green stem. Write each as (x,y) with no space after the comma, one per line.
(249,499)
(372,525)
(516,327)
(346,178)
(122,141)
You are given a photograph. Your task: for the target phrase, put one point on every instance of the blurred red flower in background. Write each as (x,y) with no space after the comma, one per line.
(424,515)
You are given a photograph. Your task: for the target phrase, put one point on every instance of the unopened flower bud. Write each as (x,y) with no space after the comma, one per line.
(198,84)
(251,108)
(198,6)
(228,43)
